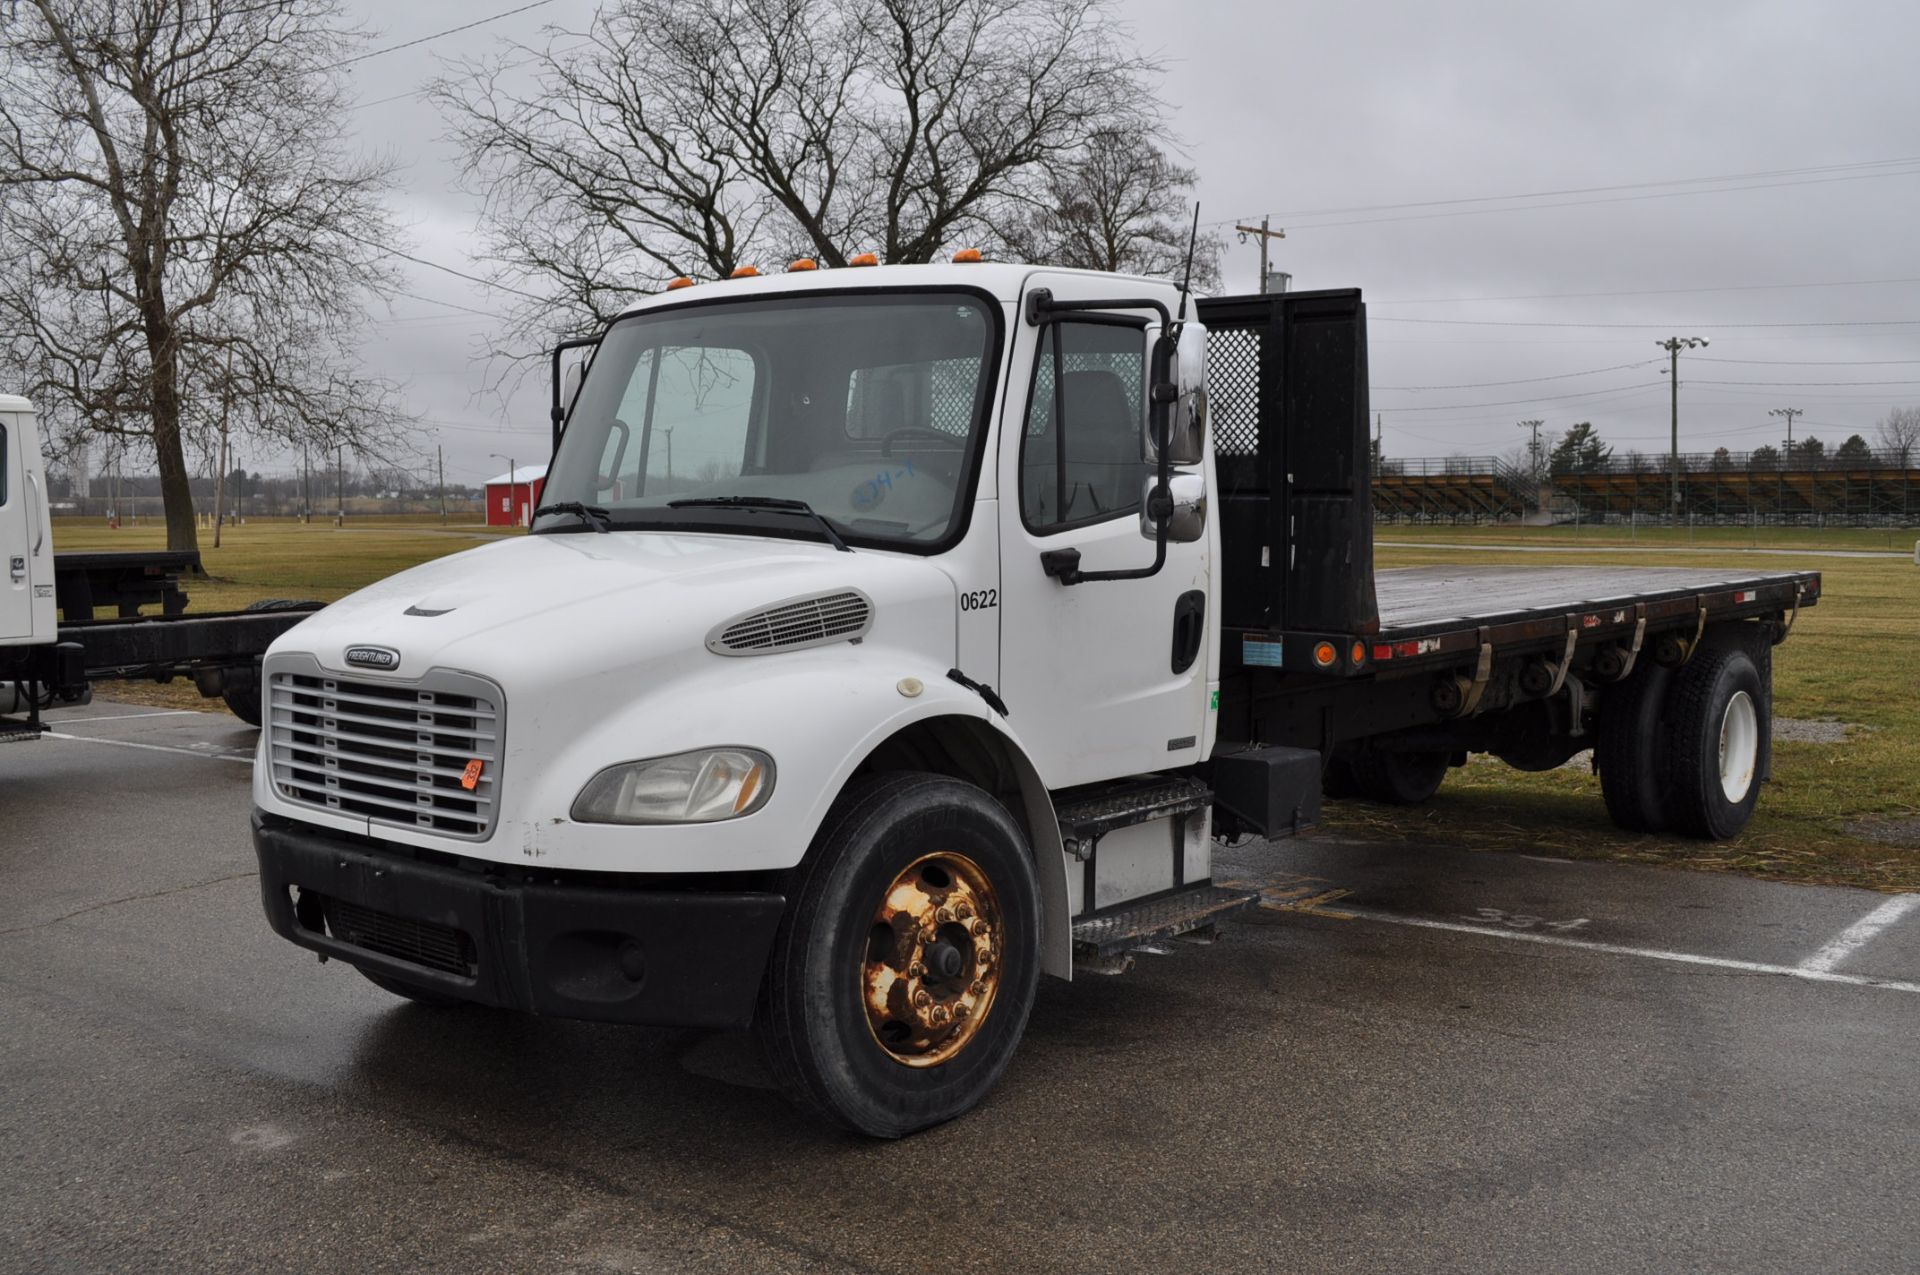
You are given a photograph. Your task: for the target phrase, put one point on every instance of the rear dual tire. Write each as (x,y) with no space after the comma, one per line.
(1683,749)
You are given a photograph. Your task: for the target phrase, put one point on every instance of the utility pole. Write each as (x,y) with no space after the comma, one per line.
(1264,235)
(1533,458)
(220,479)
(1788,412)
(1379,442)
(513,496)
(1673,345)
(668,431)
(340,484)
(306,486)
(440,453)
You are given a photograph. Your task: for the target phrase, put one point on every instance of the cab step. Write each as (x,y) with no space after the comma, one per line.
(1090,814)
(1145,926)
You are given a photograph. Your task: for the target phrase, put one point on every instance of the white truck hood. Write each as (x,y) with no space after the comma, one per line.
(538,609)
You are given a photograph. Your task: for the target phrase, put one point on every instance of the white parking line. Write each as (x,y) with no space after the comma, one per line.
(243,759)
(1860,933)
(1804,972)
(121,717)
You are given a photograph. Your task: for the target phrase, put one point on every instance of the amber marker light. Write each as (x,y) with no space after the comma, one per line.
(1325,654)
(863,259)
(745,272)
(681,282)
(967,257)
(804,263)
(1359,653)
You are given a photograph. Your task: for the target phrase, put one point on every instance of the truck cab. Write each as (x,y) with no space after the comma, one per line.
(27,615)
(868,658)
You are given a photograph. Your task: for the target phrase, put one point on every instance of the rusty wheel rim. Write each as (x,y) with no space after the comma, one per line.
(932,962)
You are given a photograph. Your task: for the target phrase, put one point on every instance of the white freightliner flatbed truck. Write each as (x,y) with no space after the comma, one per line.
(53,644)
(891,637)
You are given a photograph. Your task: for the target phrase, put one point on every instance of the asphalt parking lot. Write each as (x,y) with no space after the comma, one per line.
(1410,1059)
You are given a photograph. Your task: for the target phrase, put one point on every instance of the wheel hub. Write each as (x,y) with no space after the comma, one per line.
(932,963)
(1739,746)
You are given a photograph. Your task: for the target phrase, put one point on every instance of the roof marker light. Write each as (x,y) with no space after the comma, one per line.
(803,263)
(681,282)
(864,259)
(967,257)
(745,272)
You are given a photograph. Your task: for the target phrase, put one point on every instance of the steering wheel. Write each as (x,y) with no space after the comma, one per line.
(915,431)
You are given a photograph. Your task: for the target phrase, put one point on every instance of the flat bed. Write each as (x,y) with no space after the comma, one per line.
(1422,601)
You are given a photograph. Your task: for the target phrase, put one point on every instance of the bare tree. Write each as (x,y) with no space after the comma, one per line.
(696,136)
(1900,433)
(1120,205)
(182,235)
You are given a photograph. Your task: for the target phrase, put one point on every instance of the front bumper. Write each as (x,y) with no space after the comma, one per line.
(558,947)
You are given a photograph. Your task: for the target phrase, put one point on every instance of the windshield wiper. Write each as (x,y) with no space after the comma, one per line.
(779,503)
(593,515)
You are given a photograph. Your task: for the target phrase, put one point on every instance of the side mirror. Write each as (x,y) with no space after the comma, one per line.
(1181,385)
(571,389)
(1182,504)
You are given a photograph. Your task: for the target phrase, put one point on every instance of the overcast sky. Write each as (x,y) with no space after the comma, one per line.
(1386,137)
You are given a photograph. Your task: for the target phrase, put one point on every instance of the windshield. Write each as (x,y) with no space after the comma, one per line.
(870,408)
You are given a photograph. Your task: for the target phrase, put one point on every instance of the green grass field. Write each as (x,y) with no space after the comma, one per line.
(1854,658)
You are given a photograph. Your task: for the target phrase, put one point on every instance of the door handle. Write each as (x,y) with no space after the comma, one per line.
(38,513)
(1189,628)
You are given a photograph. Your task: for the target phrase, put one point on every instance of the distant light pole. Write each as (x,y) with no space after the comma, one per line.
(1789,413)
(513,493)
(1673,345)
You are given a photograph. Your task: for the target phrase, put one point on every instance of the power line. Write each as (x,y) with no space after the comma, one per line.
(1509,402)
(1528,323)
(1791,384)
(485,314)
(1810,362)
(426,39)
(1525,380)
(1651,292)
(462,79)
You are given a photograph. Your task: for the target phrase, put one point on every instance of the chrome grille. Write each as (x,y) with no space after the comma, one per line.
(829,617)
(396,753)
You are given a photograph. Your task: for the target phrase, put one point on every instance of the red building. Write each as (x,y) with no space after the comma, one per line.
(513,496)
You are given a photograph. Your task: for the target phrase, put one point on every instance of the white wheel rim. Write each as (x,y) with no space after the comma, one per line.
(1739,746)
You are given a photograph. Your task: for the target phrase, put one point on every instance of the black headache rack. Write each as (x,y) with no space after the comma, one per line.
(1315,648)
(1287,398)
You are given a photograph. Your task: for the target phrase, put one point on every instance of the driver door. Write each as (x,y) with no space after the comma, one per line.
(1088,670)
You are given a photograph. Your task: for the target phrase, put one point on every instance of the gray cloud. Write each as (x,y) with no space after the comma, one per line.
(1292,108)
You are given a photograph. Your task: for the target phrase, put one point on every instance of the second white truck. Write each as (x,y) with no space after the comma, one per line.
(891,637)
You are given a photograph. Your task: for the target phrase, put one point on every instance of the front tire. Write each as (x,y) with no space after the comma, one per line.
(1717,719)
(905,967)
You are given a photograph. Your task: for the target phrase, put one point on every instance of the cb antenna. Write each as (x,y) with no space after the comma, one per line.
(1186,282)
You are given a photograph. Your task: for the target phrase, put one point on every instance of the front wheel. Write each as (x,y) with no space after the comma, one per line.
(904,969)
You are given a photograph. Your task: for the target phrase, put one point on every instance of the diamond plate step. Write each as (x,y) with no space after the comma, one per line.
(1087,817)
(1132,925)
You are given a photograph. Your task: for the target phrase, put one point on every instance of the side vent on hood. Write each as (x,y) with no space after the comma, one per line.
(811,621)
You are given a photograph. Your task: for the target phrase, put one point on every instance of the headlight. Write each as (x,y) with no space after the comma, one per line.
(697,787)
